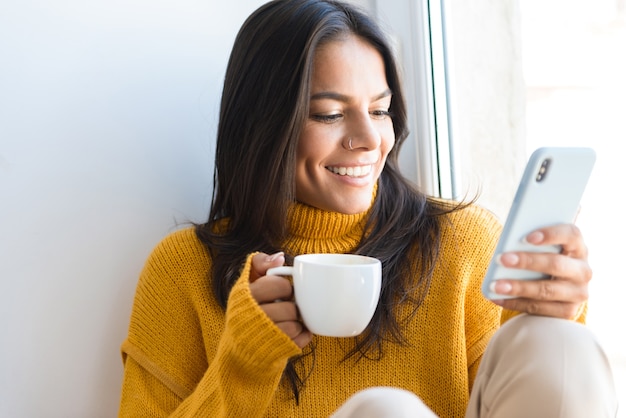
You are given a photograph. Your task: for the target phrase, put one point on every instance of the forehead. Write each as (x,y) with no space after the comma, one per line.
(349,62)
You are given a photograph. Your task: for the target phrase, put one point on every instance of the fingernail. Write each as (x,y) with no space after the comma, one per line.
(273,257)
(500,288)
(536,237)
(508,259)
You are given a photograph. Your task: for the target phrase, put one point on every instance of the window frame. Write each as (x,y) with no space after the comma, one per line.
(420,33)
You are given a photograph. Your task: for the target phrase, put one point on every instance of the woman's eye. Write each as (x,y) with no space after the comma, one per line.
(380,114)
(327,118)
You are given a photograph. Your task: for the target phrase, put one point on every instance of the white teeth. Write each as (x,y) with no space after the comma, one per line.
(358,171)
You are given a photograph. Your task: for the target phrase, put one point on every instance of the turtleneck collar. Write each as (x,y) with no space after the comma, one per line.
(313,230)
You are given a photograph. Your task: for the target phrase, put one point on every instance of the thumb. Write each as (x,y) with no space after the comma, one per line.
(261,262)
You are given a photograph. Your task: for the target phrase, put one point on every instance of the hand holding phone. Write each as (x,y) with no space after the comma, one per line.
(549,193)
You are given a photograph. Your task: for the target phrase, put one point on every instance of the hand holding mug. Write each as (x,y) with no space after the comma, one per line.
(274,294)
(336,294)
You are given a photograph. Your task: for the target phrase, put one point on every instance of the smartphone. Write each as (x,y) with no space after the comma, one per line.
(549,193)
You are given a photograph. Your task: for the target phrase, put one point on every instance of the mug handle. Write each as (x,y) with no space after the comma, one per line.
(280,271)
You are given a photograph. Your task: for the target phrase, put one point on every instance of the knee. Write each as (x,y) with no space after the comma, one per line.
(539,334)
(552,353)
(549,361)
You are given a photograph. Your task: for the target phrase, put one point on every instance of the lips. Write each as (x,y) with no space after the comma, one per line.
(357,171)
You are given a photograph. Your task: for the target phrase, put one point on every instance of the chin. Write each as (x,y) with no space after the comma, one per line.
(348,204)
(355,204)
(353,209)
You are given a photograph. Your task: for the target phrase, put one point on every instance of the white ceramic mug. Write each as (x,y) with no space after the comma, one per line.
(336,294)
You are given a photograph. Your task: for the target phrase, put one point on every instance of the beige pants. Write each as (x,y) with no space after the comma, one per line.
(533,367)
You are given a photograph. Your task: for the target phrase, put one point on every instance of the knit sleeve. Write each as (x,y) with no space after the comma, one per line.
(183,358)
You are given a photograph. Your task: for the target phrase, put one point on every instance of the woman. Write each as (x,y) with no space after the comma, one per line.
(311,122)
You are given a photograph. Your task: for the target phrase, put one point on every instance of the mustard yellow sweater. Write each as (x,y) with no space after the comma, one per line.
(184,356)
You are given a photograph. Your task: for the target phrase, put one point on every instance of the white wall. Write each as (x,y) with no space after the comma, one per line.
(108,112)
(107,118)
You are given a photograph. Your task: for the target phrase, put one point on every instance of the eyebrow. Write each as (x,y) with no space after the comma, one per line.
(343,98)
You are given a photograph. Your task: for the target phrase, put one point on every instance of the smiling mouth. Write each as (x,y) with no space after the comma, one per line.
(358,171)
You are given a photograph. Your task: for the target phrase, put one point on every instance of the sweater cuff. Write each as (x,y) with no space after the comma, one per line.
(257,341)
(581,314)
(580,317)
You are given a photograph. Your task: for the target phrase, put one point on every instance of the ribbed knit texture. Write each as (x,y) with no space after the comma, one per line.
(185,357)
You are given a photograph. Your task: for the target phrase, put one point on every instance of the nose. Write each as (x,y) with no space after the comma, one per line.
(363,133)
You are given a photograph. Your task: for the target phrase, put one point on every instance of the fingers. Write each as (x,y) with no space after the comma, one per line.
(261,262)
(303,338)
(283,313)
(296,331)
(557,298)
(552,265)
(558,290)
(268,289)
(274,294)
(568,236)
(570,264)
(568,274)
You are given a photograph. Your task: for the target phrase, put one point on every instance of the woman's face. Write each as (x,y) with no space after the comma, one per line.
(349,106)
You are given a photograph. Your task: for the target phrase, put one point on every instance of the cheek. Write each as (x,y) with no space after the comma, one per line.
(307,157)
(315,144)
(388,140)
(304,153)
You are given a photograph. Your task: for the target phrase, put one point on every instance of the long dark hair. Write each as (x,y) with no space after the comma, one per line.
(265,102)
